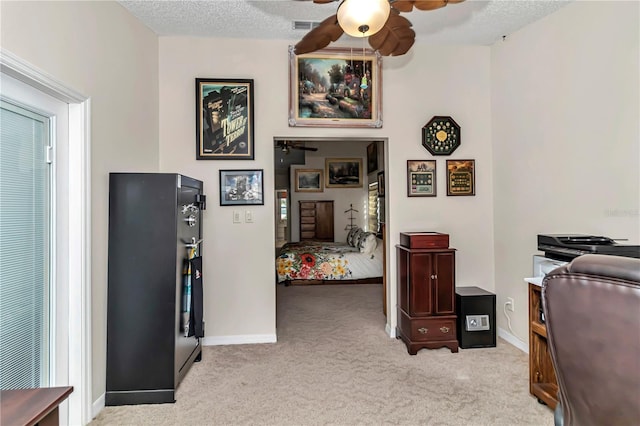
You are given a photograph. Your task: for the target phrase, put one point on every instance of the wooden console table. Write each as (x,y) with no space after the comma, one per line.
(27,407)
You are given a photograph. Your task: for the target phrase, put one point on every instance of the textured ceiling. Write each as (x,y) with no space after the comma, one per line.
(473,22)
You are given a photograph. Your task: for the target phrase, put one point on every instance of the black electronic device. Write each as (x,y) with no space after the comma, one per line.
(570,246)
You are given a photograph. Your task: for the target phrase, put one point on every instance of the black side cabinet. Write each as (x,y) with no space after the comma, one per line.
(152,216)
(476,324)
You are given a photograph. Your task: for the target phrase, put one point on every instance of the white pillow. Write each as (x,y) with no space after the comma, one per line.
(368,243)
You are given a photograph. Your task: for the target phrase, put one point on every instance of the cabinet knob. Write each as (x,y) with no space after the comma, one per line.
(423,330)
(444,329)
(433,277)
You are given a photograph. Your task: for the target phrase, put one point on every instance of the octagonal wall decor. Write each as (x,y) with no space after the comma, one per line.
(441,135)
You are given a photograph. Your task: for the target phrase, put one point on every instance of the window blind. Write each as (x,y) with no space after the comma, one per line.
(24,248)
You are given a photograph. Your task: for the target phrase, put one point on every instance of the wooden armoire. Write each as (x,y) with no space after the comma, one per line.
(316,220)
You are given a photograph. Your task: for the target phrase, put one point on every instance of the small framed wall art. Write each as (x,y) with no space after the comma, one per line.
(461,177)
(241,187)
(343,172)
(421,178)
(224,119)
(441,135)
(309,180)
(381,184)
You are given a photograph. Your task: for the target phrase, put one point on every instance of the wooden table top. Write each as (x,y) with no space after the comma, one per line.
(29,406)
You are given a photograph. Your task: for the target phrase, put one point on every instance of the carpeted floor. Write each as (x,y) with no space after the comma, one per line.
(334,365)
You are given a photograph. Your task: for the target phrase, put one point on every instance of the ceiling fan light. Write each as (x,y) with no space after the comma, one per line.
(363,18)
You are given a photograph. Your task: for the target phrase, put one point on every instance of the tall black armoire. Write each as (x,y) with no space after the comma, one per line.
(154,219)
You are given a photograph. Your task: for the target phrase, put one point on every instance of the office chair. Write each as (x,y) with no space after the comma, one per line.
(592,315)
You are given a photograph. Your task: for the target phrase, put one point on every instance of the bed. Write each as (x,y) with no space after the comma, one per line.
(316,262)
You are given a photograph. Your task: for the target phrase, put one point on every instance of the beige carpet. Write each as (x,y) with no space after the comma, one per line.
(334,365)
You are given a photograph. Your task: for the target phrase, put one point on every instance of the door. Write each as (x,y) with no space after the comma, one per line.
(420,297)
(444,284)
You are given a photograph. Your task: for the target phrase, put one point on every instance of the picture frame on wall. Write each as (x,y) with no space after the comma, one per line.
(309,180)
(372,157)
(381,184)
(335,87)
(461,177)
(343,172)
(224,119)
(421,178)
(241,187)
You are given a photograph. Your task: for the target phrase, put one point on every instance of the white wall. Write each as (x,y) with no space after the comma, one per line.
(565,100)
(76,43)
(239,259)
(342,197)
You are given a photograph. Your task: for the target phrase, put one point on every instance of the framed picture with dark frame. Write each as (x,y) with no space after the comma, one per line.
(372,157)
(335,87)
(343,172)
(309,180)
(381,184)
(421,178)
(461,177)
(241,187)
(224,119)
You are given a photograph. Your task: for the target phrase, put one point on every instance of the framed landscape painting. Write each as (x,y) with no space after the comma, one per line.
(335,87)
(309,180)
(224,119)
(343,172)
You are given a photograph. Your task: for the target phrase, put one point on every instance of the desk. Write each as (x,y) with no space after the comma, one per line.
(28,407)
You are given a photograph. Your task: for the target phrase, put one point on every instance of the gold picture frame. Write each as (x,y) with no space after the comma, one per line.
(327,88)
(309,180)
(343,172)
(461,177)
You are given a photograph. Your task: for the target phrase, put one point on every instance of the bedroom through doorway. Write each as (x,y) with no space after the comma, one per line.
(330,197)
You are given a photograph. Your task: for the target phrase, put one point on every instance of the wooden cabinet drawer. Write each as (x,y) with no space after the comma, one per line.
(307,219)
(307,227)
(307,213)
(308,205)
(433,329)
(307,234)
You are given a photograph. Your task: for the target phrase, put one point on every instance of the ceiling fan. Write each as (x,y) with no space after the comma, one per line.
(286,146)
(380,20)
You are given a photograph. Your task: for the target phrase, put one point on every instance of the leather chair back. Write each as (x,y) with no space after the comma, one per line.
(592,315)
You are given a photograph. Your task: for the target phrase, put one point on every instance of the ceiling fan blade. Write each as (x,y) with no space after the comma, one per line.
(395,38)
(323,1)
(408,5)
(304,148)
(329,30)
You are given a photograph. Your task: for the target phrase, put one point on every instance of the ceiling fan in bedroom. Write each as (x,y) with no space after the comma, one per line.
(380,20)
(287,146)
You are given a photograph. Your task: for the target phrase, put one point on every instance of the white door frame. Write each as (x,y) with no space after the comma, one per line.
(79,234)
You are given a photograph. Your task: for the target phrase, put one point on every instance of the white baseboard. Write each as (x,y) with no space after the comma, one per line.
(390,331)
(97,406)
(244,339)
(510,338)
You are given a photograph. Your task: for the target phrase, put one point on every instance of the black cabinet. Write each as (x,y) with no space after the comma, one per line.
(152,219)
(476,310)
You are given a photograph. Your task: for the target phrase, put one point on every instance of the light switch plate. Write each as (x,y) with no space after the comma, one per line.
(248,216)
(236,217)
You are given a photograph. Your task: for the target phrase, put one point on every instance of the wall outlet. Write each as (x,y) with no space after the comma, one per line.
(510,304)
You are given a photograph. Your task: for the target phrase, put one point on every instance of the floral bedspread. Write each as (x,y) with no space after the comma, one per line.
(314,260)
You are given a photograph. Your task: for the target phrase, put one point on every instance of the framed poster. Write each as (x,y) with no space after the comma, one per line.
(335,87)
(309,180)
(343,172)
(421,178)
(241,187)
(224,119)
(461,177)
